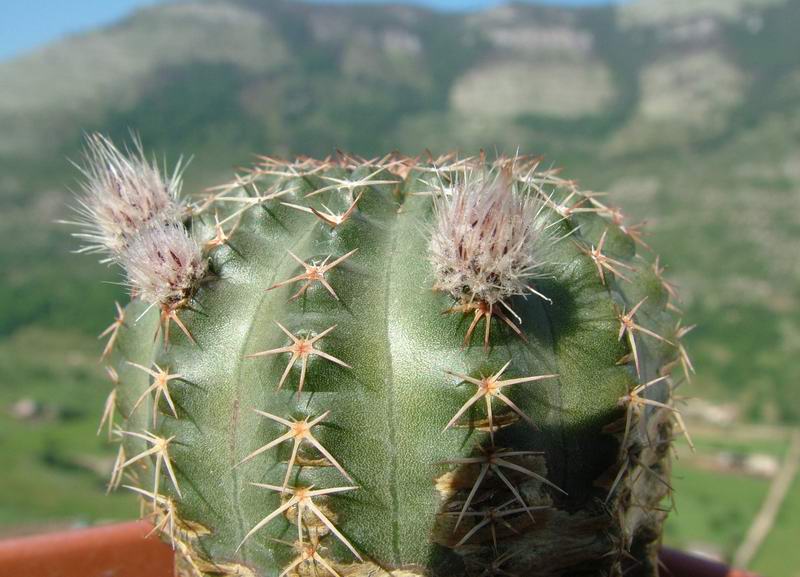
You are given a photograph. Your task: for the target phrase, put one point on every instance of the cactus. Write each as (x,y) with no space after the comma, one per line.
(398,366)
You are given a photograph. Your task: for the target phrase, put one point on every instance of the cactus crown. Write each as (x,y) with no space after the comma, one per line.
(163,263)
(123,192)
(488,238)
(317,414)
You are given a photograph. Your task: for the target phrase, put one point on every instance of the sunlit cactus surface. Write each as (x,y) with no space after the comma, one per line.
(400,366)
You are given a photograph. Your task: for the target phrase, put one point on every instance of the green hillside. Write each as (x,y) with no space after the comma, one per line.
(687,112)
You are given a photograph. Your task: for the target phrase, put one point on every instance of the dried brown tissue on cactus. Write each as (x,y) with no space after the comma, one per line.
(440,366)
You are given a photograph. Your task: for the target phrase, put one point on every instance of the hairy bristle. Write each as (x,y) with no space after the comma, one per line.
(163,263)
(132,212)
(487,238)
(122,193)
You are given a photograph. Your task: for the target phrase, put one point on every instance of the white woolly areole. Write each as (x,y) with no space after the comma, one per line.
(122,193)
(487,238)
(163,263)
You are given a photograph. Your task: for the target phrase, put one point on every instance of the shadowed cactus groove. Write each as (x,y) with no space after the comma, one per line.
(399,366)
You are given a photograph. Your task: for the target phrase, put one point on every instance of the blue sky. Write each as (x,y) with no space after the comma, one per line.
(27,24)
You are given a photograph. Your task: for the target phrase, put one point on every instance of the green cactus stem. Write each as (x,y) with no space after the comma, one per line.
(403,366)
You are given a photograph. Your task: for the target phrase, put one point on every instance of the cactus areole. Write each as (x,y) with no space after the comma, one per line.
(400,366)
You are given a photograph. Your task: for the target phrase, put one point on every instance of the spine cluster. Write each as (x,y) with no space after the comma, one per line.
(487,238)
(163,263)
(133,215)
(488,242)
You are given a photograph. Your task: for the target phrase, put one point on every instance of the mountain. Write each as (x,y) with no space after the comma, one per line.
(687,112)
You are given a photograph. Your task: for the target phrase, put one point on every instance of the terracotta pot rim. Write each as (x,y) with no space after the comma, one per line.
(129,550)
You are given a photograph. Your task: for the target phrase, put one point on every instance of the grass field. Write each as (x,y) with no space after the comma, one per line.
(779,556)
(714,509)
(54,467)
(712,512)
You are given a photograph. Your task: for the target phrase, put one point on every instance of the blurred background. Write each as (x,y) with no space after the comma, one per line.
(687,112)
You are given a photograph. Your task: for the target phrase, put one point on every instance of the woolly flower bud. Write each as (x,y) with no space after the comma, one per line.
(486,239)
(163,264)
(122,193)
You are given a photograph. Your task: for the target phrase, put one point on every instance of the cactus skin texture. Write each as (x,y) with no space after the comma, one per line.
(399,487)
